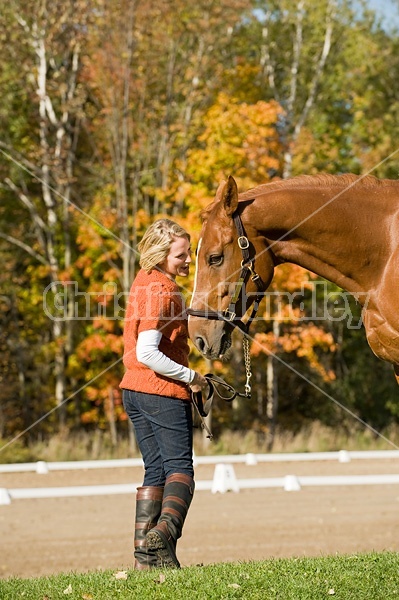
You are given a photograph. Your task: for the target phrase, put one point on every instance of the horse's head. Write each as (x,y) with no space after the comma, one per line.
(218,270)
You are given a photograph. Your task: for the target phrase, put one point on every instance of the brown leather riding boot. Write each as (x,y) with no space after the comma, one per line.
(178,493)
(148,510)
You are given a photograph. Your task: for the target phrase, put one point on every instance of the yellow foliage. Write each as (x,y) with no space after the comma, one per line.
(239,139)
(290,278)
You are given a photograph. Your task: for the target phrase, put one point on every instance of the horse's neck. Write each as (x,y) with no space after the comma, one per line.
(320,231)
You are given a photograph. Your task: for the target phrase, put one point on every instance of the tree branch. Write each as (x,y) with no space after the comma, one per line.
(16,242)
(265,59)
(13,155)
(297,47)
(40,225)
(319,68)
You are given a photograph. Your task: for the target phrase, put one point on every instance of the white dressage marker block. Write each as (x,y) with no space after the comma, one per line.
(41,467)
(291,483)
(224,479)
(5,497)
(344,456)
(251,459)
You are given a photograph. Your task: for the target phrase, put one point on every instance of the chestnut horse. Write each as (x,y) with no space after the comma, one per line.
(344,228)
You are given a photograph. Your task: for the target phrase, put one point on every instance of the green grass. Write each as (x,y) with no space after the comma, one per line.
(373,576)
(97,445)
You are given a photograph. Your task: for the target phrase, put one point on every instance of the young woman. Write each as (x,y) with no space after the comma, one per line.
(156,392)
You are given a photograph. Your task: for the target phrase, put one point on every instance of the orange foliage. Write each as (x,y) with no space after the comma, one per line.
(290,278)
(301,340)
(94,345)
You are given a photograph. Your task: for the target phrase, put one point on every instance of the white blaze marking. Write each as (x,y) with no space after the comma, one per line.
(196,274)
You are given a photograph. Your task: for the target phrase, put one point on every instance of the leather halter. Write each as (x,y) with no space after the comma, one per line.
(247,268)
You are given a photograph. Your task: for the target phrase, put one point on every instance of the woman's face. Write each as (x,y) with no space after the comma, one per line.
(178,260)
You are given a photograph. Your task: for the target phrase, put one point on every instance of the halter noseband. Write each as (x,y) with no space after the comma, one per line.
(247,267)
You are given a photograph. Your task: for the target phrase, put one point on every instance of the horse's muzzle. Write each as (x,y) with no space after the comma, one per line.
(215,350)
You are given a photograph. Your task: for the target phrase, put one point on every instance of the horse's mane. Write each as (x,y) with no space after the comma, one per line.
(317,181)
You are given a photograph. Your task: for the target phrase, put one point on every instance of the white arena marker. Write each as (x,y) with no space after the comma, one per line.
(224,479)
(344,456)
(41,467)
(251,459)
(291,483)
(5,497)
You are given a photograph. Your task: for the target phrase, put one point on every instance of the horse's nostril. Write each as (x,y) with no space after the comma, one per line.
(225,343)
(200,343)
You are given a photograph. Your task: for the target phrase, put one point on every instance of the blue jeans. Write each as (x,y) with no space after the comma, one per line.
(164,432)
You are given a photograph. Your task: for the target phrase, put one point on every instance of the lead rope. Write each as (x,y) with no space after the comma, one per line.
(202,420)
(247,387)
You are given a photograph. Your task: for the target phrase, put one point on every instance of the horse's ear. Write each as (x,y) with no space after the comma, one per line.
(220,189)
(230,196)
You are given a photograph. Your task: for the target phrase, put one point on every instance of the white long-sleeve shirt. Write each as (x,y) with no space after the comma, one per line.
(149,354)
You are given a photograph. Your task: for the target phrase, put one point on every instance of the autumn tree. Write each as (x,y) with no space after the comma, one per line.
(52,38)
(243,139)
(149,74)
(113,114)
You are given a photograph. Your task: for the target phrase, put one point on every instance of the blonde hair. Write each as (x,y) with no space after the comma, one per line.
(156,242)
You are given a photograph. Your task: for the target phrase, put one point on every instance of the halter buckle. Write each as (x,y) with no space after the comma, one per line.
(243,242)
(229,315)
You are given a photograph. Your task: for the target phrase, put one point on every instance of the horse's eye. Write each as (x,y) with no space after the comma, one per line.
(216,260)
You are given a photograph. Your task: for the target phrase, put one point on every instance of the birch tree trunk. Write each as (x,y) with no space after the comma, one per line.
(120,130)
(298,101)
(301,94)
(56,54)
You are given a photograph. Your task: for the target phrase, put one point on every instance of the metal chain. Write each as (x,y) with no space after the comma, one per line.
(247,362)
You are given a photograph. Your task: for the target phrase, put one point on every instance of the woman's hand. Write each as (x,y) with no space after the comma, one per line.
(198,383)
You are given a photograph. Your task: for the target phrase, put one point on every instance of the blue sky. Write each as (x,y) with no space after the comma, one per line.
(387,9)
